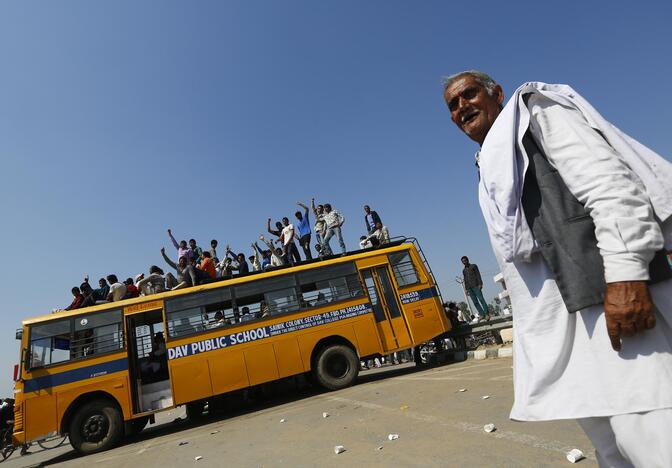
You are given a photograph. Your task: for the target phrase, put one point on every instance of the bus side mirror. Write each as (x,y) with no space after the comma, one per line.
(19,334)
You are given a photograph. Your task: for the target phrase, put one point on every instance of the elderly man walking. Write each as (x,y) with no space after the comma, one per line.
(580,216)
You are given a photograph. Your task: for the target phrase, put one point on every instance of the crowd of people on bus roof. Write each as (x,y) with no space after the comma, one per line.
(196,266)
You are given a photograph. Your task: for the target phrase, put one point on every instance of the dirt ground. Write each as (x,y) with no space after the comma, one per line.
(437,426)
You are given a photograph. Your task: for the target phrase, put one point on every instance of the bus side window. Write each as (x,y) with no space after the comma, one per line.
(265,298)
(97,334)
(186,315)
(329,284)
(403,268)
(50,343)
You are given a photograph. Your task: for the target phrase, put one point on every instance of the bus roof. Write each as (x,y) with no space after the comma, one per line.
(397,245)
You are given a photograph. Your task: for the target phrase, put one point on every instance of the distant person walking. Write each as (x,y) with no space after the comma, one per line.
(473,284)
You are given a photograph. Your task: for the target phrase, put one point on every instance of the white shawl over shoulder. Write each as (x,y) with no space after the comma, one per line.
(503,163)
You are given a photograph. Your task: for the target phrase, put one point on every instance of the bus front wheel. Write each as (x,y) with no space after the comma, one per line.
(96,426)
(336,367)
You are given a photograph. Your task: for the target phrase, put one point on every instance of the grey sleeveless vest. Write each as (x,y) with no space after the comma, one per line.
(565,233)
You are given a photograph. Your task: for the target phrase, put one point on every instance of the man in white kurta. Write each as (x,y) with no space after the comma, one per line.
(564,364)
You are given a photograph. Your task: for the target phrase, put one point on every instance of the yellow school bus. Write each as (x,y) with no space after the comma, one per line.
(101,372)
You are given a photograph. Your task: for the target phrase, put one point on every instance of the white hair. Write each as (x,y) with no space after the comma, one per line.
(481,78)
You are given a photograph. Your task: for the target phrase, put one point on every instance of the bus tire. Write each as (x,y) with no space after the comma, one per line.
(96,426)
(418,358)
(336,367)
(195,410)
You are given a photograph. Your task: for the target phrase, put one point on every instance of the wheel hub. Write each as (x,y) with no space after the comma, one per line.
(95,428)
(337,366)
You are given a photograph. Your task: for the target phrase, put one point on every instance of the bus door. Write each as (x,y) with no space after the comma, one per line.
(386,309)
(148,362)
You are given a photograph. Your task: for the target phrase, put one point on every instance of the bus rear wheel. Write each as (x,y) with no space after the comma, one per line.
(336,367)
(195,410)
(95,427)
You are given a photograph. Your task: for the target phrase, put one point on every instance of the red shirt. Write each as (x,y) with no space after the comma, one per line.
(76,302)
(208,266)
(131,291)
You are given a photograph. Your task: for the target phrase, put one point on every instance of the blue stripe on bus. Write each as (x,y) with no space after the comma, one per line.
(267,331)
(420,295)
(74,375)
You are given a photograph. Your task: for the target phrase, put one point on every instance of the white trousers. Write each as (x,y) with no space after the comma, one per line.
(632,440)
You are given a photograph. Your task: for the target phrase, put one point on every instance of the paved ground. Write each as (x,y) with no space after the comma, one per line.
(437,426)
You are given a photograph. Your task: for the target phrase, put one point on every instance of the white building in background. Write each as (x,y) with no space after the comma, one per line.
(504,295)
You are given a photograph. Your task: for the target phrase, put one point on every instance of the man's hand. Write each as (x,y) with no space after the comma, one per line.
(628,310)
(163,250)
(169,231)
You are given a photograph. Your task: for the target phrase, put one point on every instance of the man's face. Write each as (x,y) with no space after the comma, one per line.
(183,244)
(471,107)
(213,244)
(285,221)
(183,262)
(192,244)
(367,210)
(465,261)
(101,283)
(320,209)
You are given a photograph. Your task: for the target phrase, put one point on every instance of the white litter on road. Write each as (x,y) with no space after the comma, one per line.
(489,428)
(325,415)
(575,455)
(462,390)
(485,397)
(339,449)
(198,458)
(379,447)
(393,436)
(282,420)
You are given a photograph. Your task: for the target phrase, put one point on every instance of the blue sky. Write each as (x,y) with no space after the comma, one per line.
(121,119)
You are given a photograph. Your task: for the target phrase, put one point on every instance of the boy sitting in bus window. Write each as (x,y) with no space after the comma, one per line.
(247,316)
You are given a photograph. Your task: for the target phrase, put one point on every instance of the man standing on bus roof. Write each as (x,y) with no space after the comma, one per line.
(198,252)
(334,222)
(288,244)
(320,225)
(370,219)
(303,229)
(473,284)
(583,258)
(182,249)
